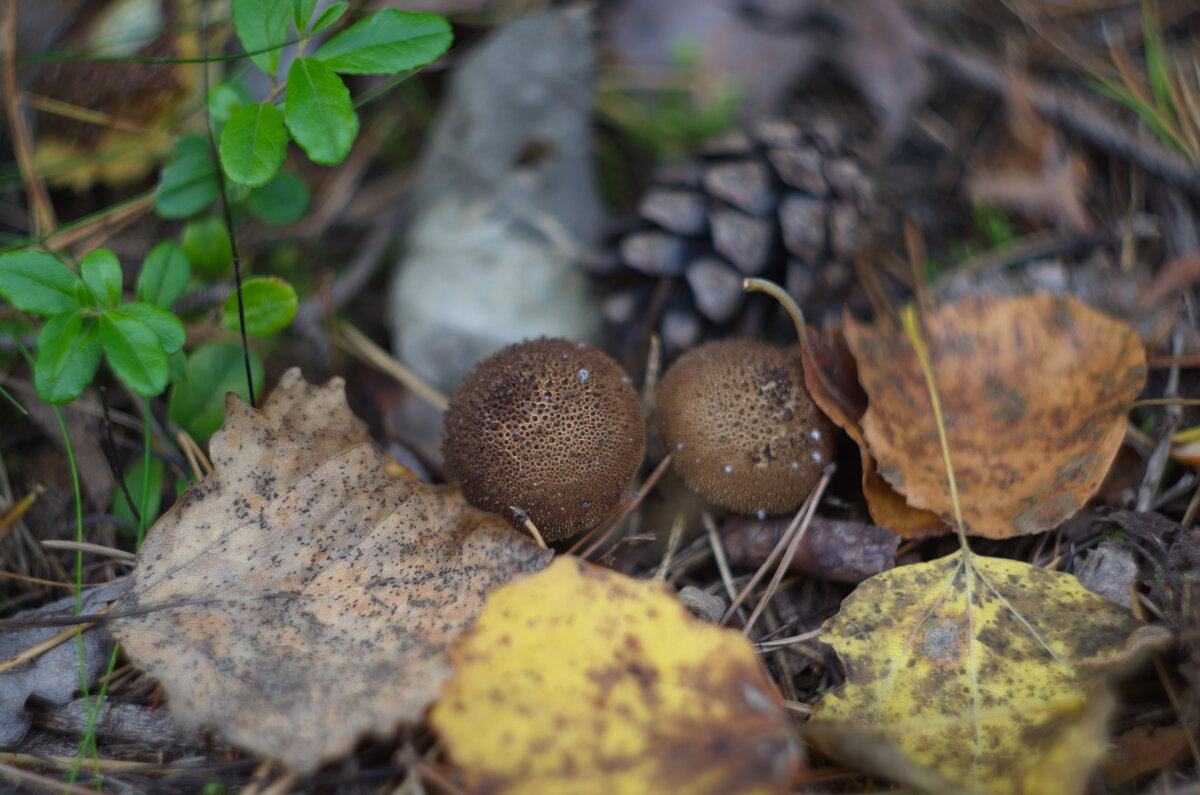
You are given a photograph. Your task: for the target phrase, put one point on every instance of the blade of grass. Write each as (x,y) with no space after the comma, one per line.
(1156,68)
(1126,69)
(1189,107)
(1163,128)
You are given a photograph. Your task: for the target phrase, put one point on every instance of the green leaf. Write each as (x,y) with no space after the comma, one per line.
(318,112)
(68,353)
(213,369)
(270,304)
(262,25)
(102,274)
(134,478)
(387,42)
(1156,67)
(177,364)
(134,352)
(34,281)
(84,297)
(189,180)
(254,144)
(164,275)
(224,99)
(329,16)
(302,11)
(283,200)
(206,242)
(170,331)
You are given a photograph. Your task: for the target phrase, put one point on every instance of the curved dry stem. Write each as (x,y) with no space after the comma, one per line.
(756,285)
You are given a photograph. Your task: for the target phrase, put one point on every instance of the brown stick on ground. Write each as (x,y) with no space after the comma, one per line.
(832,550)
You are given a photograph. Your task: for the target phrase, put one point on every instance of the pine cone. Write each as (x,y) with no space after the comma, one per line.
(781,200)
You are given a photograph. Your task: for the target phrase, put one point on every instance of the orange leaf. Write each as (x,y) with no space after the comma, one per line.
(1034,390)
(831,378)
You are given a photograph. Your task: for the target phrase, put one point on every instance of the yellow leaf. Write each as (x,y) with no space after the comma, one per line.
(581,680)
(991,674)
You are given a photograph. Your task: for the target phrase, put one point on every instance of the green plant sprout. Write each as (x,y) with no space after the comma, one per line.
(318,113)
(87,320)
(142,340)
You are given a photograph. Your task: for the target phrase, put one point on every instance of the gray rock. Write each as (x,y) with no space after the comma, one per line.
(53,675)
(508,204)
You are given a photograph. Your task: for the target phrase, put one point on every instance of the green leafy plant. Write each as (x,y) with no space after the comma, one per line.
(270,304)
(214,369)
(86,316)
(317,109)
(87,321)
(312,107)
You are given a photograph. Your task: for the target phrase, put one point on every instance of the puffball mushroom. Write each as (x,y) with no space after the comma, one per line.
(549,427)
(741,428)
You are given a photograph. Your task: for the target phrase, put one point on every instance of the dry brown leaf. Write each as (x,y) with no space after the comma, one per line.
(305,594)
(832,380)
(1143,750)
(105,120)
(1145,298)
(1030,171)
(1034,392)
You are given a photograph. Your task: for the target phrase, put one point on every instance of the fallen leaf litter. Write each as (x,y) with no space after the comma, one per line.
(308,595)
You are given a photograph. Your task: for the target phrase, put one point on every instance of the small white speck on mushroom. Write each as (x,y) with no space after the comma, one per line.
(583,374)
(728,469)
(795,465)
(761,514)
(816,457)
(679,445)
(815,435)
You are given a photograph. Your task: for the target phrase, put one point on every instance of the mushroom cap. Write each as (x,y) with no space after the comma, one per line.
(551,427)
(741,427)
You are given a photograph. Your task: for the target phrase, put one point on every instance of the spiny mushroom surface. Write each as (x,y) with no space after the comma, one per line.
(741,428)
(551,427)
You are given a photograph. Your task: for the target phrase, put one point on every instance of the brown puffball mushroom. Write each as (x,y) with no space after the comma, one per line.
(741,428)
(550,427)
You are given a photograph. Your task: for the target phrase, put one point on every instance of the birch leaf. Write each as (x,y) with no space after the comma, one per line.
(306,592)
